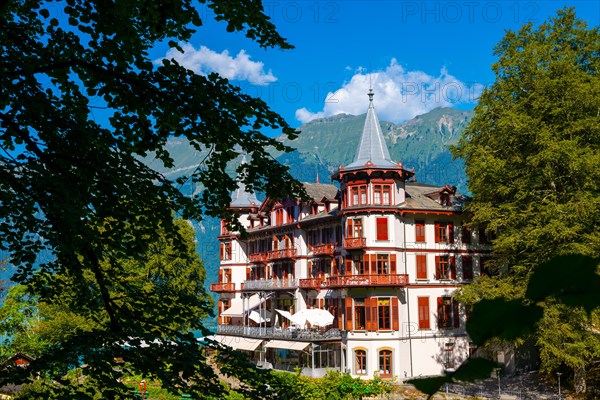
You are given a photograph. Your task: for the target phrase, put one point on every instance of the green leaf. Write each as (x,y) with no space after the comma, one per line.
(503,319)
(44,13)
(572,279)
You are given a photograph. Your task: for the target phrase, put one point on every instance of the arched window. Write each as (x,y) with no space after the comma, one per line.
(385,363)
(360,362)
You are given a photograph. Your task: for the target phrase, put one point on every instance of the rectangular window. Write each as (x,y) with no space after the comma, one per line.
(355,227)
(377,194)
(442,267)
(444,232)
(467,267)
(384,313)
(363,194)
(290,214)
(360,366)
(419,231)
(449,356)
(383,264)
(423,304)
(421,266)
(387,195)
(465,234)
(382,229)
(448,315)
(354,191)
(358,265)
(359,314)
(385,363)
(441,233)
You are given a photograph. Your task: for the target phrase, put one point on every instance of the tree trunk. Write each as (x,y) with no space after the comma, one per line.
(579,380)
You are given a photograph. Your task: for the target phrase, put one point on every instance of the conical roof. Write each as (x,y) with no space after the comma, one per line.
(372,147)
(241,197)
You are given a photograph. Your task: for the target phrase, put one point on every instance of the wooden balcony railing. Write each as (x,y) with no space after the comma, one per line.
(258,258)
(312,283)
(367,280)
(281,254)
(222,287)
(323,249)
(355,243)
(270,284)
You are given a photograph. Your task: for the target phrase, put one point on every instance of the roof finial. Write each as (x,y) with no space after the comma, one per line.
(371,94)
(317,180)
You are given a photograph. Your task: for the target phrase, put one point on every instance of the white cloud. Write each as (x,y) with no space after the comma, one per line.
(399,94)
(205,60)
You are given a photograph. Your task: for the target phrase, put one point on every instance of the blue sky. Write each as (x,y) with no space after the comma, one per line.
(419,55)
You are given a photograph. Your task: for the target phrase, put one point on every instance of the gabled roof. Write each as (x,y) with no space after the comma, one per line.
(372,148)
(426,197)
(241,197)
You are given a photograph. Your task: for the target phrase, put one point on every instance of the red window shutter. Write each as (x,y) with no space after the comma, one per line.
(339,308)
(423,304)
(348,313)
(382,229)
(373,264)
(366,264)
(440,312)
(348,268)
(220,276)
(450,232)
(393,264)
(437,267)
(420,231)
(222,250)
(452,267)
(437,232)
(374,322)
(368,314)
(220,310)
(455,314)
(248,272)
(395,316)
(349,230)
(421,266)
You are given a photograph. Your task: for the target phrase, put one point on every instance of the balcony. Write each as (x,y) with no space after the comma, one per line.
(222,287)
(323,250)
(367,280)
(354,243)
(270,284)
(312,283)
(281,254)
(279,333)
(258,258)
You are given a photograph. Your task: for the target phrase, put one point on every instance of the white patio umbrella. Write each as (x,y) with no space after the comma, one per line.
(315,316)
(295,319)
(260,317)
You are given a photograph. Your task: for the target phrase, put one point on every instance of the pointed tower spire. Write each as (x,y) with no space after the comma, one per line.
(240,197)
(372,147)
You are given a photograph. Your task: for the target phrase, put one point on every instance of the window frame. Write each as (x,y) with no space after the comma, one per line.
(360,361)
(385,355)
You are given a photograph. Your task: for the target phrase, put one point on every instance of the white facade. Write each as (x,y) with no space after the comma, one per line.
(381,254)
